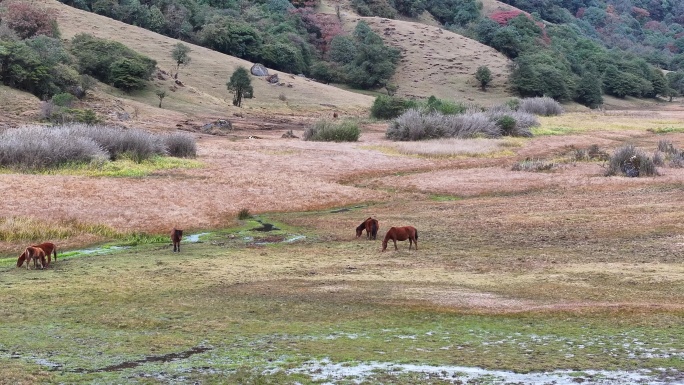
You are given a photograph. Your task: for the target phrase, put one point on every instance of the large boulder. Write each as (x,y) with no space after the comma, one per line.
(258,70)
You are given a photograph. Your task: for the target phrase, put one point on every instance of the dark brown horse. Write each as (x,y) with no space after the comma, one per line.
(37,255)
(371,226)
(401,234)
(176,236)
(48,248)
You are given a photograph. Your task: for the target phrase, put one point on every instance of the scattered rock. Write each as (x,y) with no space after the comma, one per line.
(217,127)
(180,83)
(289,135)
(258,70)
(273,79)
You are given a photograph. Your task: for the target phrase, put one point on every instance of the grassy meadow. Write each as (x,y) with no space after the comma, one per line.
(528,277)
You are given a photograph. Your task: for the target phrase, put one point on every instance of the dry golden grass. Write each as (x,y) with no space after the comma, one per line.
(446,148)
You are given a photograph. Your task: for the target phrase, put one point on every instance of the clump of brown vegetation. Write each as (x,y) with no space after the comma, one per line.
(544,106)
(593,152)
(415,124)
(39,148)
(630,161)
(667,153)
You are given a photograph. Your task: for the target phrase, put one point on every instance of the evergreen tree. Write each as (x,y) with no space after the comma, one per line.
(589,92)
(240,85)
(484,76)
(180,55)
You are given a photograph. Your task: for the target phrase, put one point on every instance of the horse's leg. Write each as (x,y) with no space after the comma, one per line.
(395,243)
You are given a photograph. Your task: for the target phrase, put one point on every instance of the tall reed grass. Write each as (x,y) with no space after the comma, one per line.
(13,229)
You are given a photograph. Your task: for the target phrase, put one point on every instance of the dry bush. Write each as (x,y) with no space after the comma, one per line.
(136,143)
(630,161)
(667,152)
(39,147)
(180,145)
(36,147)
(417,124)
(544,106)
(523,120)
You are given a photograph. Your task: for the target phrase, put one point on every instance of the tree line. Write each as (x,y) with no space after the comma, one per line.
(286,36)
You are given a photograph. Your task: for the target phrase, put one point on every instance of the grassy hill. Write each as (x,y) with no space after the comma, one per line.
(434,62)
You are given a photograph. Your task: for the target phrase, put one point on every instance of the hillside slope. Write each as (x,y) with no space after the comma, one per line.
(203,93)
(434,61)
(442,63)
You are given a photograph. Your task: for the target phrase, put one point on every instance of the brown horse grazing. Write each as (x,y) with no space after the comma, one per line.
(47,247)
(36,254)
(401,234)
(176,236)
(371,226)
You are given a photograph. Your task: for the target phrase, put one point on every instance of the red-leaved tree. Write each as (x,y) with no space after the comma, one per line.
(328,25)
(28,20)
(504,17)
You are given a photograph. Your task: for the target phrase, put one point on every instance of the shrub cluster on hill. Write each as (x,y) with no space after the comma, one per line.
(39,147)
(34,59)
(389,107)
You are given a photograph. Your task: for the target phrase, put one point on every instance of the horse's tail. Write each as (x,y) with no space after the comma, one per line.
(54,252)
(416,234)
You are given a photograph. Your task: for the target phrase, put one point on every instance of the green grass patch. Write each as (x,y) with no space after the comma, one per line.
(123,167)
(666,130)
(550,131)
(263,310)
(127,167)
(445,198)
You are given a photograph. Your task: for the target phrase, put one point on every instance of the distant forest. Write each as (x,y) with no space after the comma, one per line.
(566,49)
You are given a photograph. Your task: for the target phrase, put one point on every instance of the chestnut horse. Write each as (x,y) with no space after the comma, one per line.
(371,226)
(36,254)
(48,248)
(401,234)
(176,236)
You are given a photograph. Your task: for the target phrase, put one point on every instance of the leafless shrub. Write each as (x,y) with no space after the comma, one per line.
(135,143)
(417,125)
(630,161)
(544,106)
(523,120)
(37,147)
(667,147)
(181,145)
(47,108)
(658,158)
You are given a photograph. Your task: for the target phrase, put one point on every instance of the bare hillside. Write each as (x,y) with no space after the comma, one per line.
(442,63)
(434,61)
